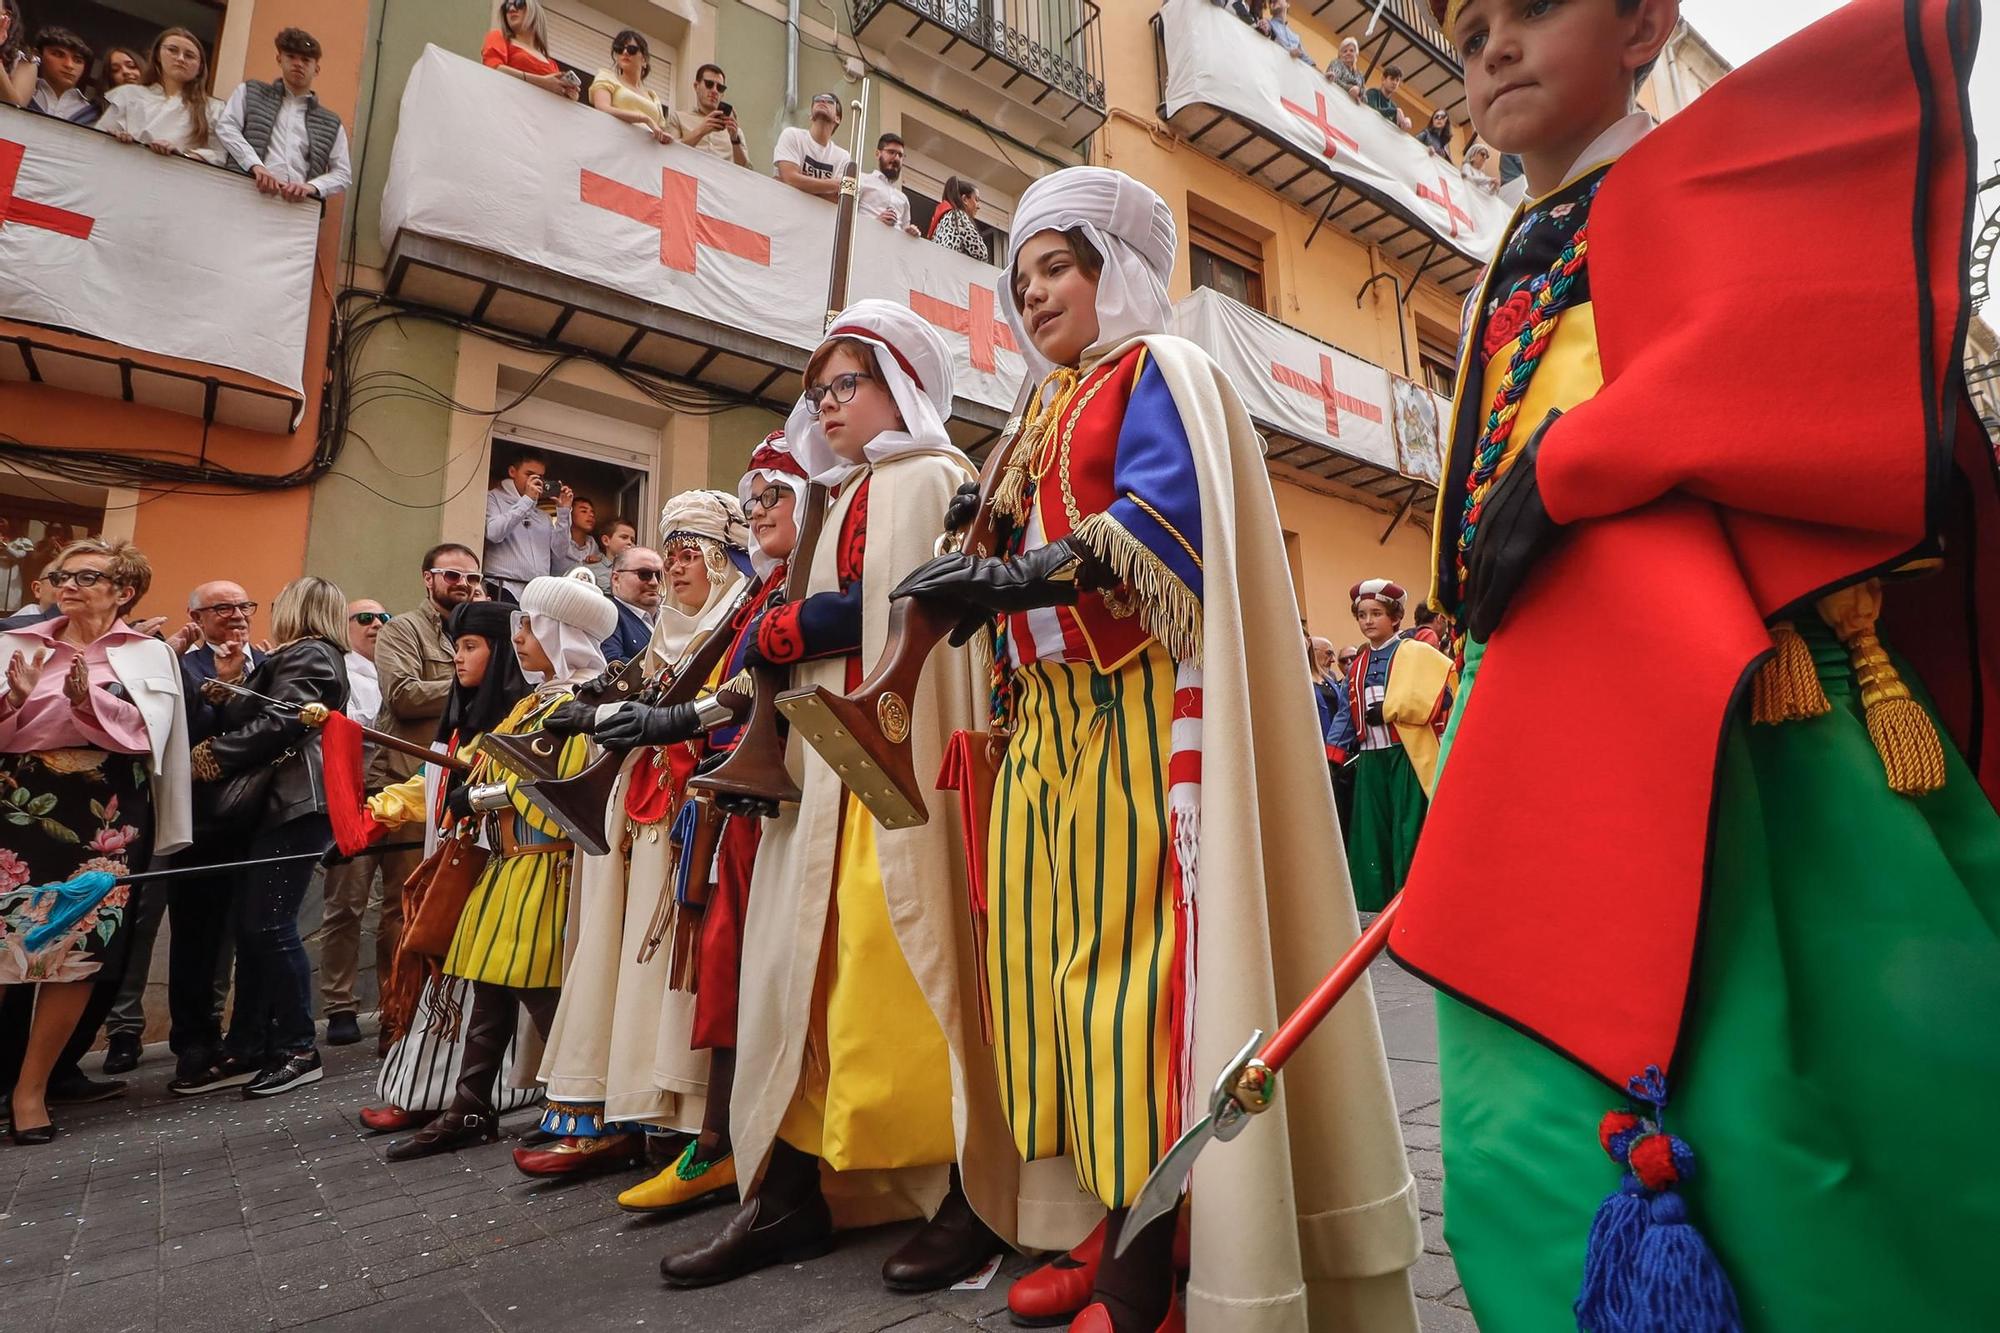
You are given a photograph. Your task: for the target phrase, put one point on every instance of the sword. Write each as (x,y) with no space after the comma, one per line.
(1249,1082)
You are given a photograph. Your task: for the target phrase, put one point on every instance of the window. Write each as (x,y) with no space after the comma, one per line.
(923,207)
(34,525)
(1438,357)
(580,37)
(132,23)
(1226,261)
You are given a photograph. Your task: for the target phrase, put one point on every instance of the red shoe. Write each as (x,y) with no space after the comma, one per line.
(582,1157)
(1056,1292)
(393,1119)
(1096,1319)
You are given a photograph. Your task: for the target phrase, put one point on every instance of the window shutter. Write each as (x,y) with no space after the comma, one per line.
(580,37)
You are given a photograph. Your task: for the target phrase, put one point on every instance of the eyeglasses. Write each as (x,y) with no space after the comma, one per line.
(769,498)
(643,575)
(714,86)
(841,389)
(629,49)
(371,617)
(226,608)
(451,577)
(82,578)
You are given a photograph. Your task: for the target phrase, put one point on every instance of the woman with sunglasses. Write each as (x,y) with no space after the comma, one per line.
(519,48)
(624,93)
(93,776)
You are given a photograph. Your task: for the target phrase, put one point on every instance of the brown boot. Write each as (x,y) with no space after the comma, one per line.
(784,1222)
(449,1132)
(471,1118)
(946,1250)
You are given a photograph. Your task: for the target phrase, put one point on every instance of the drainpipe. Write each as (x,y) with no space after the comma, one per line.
(791,55)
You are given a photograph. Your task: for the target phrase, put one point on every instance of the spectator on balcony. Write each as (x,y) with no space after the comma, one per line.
(1276,24)
(1383,97)
(712,126)
(614,539)
(580,544)
(1477,168)
(122,66)
(17,67)
(953,225)
(173,113)
(519,48)
(41,603)
(881,196)
(521,543)
(622,92)
(295,148)
(810,160)
(1344,71)
(1436,135)
(59,92)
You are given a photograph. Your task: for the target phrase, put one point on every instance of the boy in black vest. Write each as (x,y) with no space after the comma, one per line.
(278,132)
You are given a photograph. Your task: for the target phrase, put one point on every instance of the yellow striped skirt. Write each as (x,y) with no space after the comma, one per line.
(511,933)
(1080,940)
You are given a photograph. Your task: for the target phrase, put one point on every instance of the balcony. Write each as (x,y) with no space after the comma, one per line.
(1240,98)
(655,257)
(1334,423)
(148,279)
(1031,68)
(1406,35)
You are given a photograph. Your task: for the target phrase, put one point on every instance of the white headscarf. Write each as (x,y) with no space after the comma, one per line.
(1133,229)
(915,365)
(772,461)
(571,619)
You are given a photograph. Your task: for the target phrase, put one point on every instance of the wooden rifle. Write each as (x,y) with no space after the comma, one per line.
(533,757)
(315,715)
(865,735)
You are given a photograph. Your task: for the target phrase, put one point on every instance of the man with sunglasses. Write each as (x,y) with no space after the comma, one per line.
(637,583)
(711,126)
(346,886)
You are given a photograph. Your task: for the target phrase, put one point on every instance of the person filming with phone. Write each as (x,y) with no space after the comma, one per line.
(711,126)
(522,543)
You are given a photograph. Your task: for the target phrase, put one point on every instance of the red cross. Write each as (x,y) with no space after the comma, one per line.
(1324,390)
(683,227)
(28,213)
(1441,196)
(1332,134)
(974,319)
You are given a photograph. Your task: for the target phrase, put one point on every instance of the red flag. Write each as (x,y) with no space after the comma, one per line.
(346,794)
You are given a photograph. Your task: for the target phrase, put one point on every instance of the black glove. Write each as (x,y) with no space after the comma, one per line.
(634,725)
(1052,575)
(458,801)
(964,506)
(571,717)
(1514,531)
(597,689)
(1373,714)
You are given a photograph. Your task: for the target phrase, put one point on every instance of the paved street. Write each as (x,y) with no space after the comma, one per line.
(218,1214)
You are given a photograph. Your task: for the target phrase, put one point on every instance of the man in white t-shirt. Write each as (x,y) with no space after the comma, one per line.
(881,189)
(810,160)
(712,126)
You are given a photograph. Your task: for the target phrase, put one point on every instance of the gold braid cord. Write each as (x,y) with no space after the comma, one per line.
(1787,687)
(1904,735)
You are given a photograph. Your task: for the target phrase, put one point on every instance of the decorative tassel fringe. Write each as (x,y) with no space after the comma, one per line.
(1904,735)
(1170,609)
(1787,687)
(1646,1268)
(447,1012)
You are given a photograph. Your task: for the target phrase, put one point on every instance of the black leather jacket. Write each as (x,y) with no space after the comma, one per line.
(253,732)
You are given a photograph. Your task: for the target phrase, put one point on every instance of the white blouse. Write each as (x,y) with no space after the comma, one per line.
(147,114)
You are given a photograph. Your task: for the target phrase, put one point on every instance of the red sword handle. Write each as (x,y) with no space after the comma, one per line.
(1255,1085)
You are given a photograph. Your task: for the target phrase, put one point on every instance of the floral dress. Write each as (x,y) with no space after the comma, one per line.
(63,812)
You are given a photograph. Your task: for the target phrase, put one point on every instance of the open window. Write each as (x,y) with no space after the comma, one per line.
(1226,260)
(580,39)
(37,519)
(128,23)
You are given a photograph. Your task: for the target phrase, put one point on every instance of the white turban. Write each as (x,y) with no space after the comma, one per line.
(571,619)
(713,522)
(1133,229)
(915,365)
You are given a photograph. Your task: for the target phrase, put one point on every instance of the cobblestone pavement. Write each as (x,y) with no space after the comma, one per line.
(218,1214)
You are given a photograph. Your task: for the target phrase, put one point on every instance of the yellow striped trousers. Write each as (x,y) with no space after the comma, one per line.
(1080,938)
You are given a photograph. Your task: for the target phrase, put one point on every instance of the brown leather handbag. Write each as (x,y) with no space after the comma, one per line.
(435,893)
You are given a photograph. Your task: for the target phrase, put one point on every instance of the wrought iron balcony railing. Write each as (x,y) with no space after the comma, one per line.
(1058,42)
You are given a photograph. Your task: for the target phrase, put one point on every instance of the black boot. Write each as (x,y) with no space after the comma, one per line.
(471,1118)
(784,1222)
(1136,1289)
(946,1250)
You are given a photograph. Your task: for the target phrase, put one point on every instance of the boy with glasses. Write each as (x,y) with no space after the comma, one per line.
(711,126)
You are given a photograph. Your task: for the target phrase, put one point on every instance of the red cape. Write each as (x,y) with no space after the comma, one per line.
(1779,283)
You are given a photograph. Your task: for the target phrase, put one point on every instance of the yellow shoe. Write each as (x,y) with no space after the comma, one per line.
(686,1182)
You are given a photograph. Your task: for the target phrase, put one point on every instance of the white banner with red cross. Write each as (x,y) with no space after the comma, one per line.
(1214,59)
(161,254)
(1298,386)
(491,162)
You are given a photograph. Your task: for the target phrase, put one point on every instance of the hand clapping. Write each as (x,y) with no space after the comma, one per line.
(76,686)
(24,672)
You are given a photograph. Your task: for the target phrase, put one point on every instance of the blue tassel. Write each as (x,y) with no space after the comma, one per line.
(1678,1285)
(74,899)
(1604,1303)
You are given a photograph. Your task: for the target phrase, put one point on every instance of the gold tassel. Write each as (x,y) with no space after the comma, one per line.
(1787,687)
(1905,737)
(1010,493)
